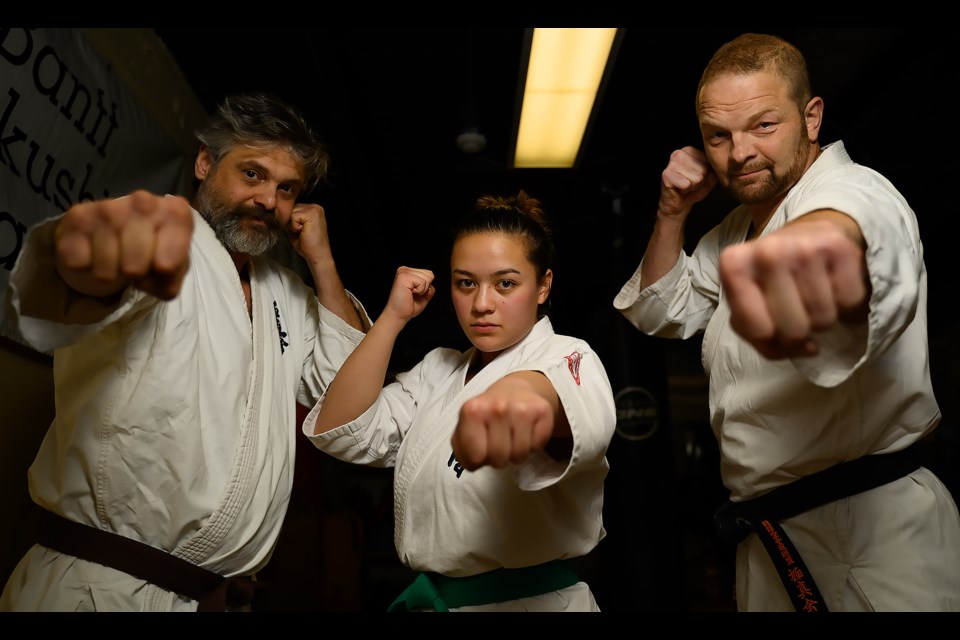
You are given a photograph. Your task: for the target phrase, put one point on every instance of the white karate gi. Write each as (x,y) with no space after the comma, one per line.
(461,523)
(175,421)
(867,392)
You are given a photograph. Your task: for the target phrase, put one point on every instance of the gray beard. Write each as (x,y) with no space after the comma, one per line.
(227,225)
(252,242)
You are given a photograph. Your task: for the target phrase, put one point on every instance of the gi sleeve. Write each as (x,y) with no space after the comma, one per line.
(328,340)
(680,304)
(584,390)
(897,274)
(375,436)
(47,313)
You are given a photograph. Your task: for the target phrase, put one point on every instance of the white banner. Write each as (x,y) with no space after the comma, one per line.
(70,131)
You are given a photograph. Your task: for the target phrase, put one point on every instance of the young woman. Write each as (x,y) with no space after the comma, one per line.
(499,451)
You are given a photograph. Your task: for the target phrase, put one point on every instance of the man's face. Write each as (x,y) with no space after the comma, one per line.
(248,197)
(755,137)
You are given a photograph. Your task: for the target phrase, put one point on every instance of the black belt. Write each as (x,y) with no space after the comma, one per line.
(734,521)
(212,591)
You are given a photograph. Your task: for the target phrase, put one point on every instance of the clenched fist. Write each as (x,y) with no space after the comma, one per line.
(516,416)
(687,180)
(798,280)
(141,240)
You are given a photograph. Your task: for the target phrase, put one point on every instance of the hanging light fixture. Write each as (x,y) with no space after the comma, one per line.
(565,71)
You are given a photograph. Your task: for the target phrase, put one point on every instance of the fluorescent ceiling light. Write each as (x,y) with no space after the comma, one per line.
(563,77)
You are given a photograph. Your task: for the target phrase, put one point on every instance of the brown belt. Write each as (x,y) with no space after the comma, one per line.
(213,591)
(734,521)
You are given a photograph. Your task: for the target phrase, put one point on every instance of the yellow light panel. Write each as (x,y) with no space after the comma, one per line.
(563,76)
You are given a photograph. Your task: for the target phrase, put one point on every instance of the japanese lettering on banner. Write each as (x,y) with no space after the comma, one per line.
(70,131)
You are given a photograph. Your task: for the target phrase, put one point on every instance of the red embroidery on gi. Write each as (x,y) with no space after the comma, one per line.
(573,363)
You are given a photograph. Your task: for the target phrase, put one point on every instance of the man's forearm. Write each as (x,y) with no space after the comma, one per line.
(664,248)
(333,296)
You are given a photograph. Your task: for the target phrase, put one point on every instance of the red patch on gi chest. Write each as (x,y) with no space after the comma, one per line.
(573,363)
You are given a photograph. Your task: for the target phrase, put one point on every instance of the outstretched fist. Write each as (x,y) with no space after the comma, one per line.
(503,425)
(142,240)
(802,278)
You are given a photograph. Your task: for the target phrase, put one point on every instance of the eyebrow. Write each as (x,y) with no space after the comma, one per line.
(502,272)
(753,117)
(253,164)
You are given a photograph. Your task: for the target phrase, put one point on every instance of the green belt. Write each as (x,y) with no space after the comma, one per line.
(440,592)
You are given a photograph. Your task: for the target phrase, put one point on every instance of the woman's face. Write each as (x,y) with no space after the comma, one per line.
(495,291)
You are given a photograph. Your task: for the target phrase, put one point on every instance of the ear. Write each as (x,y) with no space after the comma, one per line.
(813,115)
(546,283)
(203,163)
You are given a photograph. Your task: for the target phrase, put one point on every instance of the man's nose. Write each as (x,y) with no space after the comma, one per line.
(266,197)
(742,148)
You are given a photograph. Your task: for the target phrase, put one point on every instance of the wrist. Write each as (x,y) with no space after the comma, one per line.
(674,220)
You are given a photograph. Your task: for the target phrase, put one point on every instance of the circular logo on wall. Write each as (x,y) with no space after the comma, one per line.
(637,413)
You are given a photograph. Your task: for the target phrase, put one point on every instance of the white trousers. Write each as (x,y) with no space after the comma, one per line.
(893,548)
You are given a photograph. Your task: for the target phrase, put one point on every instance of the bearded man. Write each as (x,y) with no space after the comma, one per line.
(811,296)
(180,352)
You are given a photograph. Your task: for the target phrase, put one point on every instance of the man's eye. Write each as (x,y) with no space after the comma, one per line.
(718,135)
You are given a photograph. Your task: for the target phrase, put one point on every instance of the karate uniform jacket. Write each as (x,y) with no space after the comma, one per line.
(175,420)
(461,523)
(869,389)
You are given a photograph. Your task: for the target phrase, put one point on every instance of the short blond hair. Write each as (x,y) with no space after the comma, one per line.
(756,52)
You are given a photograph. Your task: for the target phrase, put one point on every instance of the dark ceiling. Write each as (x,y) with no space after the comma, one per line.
(391,102)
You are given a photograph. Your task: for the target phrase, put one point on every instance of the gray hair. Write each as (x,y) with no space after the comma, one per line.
(260,119)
